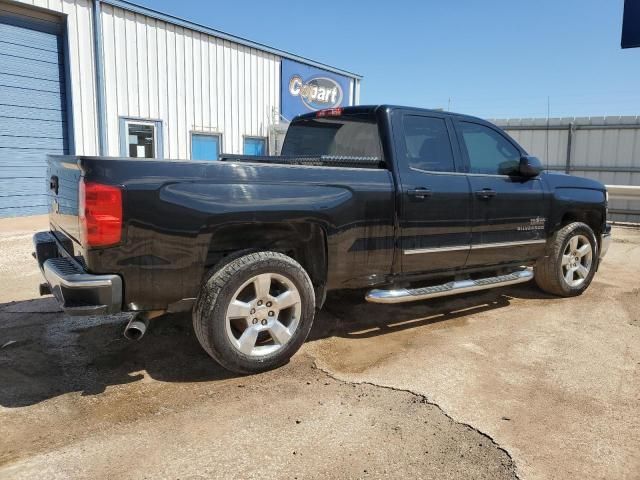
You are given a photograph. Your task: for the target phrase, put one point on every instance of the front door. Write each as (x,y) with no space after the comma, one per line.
(509,211)
(435,214)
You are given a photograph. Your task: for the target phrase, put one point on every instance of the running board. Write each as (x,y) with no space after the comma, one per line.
(401,295)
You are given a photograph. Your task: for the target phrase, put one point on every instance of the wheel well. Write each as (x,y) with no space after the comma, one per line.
(593,219)
(304,242)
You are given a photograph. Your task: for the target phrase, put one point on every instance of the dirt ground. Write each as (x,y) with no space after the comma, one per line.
(509,383)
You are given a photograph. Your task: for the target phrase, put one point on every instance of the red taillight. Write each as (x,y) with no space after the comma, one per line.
(329,112)
(100,214)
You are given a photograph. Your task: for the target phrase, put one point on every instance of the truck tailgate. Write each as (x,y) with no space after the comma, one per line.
(64,180)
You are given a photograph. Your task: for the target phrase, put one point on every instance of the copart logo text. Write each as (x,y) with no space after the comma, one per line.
(316,93)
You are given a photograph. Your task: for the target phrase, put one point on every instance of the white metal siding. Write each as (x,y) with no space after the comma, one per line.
(189,80)
(81,66)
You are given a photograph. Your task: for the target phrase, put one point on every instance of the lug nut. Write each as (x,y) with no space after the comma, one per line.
(271,314)
(264,321)
(253,310)
(255,320)
(268,304)
(259,303)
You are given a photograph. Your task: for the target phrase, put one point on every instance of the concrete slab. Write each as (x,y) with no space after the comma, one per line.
(556,382)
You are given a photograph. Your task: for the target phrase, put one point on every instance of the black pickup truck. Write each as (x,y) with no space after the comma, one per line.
(407,203)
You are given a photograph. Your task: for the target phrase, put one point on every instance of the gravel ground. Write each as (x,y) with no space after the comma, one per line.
(506,384)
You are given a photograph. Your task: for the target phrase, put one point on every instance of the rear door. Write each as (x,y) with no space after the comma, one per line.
(435,207)
(509,211)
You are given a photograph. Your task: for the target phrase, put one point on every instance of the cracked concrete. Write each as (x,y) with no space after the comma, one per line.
(555,382)
(425,400)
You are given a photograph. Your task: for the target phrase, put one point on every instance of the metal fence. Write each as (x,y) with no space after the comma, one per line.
(603,148)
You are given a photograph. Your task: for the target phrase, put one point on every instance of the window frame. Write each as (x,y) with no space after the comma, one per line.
(205,134)
(465,155)
(256,137)
(158,140)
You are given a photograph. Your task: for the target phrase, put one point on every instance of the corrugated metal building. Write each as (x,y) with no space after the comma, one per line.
(107,77)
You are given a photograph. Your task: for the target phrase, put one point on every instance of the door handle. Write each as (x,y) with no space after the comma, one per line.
(486,193)
(419,193)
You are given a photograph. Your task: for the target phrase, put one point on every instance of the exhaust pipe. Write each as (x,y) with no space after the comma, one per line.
(138,325)
(136,328)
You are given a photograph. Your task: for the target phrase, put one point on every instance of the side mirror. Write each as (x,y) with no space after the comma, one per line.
(530,166)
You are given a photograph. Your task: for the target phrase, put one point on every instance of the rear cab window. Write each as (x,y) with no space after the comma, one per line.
(354,135)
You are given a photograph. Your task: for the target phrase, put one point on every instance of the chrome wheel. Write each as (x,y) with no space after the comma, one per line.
(577,260)
(263,314)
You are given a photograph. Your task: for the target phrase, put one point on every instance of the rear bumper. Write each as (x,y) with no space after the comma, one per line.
(77,292)
(605,241)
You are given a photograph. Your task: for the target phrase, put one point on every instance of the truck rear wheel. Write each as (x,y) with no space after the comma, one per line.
(254,312)
(570,261)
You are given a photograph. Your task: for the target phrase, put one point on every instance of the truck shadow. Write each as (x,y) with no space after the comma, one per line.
(44,355)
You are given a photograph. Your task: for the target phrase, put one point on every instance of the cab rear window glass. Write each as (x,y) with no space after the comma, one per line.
(338,136)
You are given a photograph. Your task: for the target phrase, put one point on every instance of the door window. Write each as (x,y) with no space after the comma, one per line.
(427,144)
(141,140)
(488,151)
(205,146)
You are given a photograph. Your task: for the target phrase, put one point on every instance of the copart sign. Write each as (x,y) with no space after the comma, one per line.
(307,89)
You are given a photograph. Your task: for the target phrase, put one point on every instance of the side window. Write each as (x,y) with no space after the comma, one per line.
(488,151)
(427,144)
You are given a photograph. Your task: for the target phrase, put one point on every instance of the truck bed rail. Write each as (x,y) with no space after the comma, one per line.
(310,160)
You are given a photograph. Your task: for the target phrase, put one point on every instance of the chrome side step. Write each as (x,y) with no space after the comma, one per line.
(401,295)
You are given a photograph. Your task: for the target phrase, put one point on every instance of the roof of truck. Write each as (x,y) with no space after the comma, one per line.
(370,109)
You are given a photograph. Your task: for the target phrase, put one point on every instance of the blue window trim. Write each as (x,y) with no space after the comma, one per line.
(264,140)
(159,142)
(208,134)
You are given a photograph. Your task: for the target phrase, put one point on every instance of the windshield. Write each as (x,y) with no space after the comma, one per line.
(350,136)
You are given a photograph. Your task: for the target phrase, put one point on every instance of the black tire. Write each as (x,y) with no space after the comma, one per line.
(549,272)
(209,314)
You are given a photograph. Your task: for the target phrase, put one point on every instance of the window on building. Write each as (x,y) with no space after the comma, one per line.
(427,143)
(205,146)
(488,151)
(255,146)
(141,139)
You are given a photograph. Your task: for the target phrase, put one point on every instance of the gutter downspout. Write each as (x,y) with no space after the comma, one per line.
(101,112)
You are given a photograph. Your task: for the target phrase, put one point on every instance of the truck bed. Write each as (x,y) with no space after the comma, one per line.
(180,216)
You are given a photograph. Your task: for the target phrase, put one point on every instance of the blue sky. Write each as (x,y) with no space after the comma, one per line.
(492,58)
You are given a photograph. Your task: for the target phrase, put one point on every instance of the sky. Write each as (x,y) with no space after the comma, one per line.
(491,58)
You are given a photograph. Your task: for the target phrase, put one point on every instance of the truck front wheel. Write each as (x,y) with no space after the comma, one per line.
(570,261)
(254,312)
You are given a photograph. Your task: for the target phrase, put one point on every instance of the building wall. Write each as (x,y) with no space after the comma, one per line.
(189,80)
(606,149)
(81,79)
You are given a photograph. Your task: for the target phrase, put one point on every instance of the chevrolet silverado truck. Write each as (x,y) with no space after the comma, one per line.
(406,204)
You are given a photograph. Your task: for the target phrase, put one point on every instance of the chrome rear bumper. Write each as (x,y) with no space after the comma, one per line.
(77,292)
